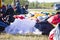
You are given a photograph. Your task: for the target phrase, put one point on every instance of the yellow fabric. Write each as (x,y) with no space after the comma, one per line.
(37,14)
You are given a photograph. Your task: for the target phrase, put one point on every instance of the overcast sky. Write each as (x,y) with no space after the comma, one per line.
(44,0)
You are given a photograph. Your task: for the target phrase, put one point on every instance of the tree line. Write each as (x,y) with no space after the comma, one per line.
(32,5)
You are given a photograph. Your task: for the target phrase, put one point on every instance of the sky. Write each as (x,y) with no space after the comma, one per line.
(44,0)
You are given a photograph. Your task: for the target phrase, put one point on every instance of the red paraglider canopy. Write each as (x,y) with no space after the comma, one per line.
(19,16)
(54,19)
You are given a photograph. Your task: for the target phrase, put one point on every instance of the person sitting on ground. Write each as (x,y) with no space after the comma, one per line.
(3,8)
(10,13)
(3,24)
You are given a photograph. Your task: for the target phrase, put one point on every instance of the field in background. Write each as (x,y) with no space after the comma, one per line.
(42,10)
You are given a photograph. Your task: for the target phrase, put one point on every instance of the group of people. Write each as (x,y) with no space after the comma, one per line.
(7,13)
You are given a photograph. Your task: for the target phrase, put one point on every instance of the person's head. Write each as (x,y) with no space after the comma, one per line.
(17,4)
(26,6)
(3,5)
(9,6)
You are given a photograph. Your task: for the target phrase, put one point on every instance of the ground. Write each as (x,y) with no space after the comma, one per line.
(22,37)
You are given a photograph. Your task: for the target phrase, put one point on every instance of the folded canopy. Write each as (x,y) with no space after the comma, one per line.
(54,19)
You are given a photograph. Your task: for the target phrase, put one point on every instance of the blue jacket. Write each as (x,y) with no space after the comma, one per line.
(18,8)
(2,24)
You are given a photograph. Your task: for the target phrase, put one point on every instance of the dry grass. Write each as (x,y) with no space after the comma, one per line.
(42,10)
(23,37)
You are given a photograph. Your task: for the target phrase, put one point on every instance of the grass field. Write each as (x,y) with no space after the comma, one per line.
(42,10)
(23,37)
